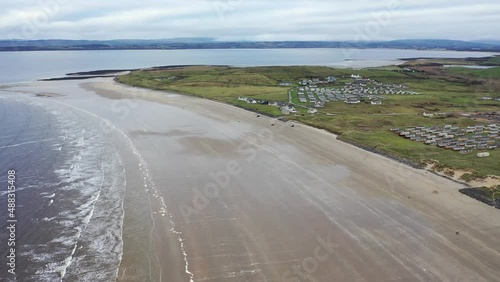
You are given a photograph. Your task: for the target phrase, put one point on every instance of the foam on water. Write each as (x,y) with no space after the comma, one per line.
(86,205)
(85,238)
(24,143)
(149,184)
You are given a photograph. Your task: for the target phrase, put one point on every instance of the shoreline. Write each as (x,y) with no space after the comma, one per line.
(302,181)
(114,73)
(97,73)
(467,186)
(321,132)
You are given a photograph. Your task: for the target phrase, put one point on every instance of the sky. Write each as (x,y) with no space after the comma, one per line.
(253,20)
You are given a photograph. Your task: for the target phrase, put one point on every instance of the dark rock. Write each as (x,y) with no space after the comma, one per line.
(480,195)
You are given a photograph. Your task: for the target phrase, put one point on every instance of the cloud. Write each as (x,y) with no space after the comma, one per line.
(250,20)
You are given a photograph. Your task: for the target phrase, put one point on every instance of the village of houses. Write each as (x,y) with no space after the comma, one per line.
(361,89)
(315,93)
(463,140)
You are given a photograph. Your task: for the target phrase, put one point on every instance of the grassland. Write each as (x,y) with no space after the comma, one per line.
(483,73)
(494,61)
(450,90)
(486,61)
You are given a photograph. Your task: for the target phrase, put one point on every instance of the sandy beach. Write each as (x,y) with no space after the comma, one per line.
(215,193)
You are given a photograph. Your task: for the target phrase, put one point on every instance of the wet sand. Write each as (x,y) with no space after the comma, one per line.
(215,193)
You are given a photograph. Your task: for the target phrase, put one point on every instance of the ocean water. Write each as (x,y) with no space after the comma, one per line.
(67,173)
(70,176)
(469,67)
(26,66)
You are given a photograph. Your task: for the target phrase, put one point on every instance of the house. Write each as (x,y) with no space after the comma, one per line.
(360,82)
(483,155)
(331,79)
(428,115)
(285,83)
(319,104)
(376,102)
(355,76)
(353,100)
(288,109)
(312,111)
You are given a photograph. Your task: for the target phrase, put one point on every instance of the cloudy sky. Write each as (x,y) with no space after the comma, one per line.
(251,19)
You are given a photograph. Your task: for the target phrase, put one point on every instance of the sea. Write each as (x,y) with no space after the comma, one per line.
(70,178)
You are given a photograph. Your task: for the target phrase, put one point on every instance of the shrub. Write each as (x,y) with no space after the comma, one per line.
(449,173)
(471,176)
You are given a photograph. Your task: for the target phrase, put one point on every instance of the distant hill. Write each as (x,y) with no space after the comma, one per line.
(492,42)
(210,43)
(441,44)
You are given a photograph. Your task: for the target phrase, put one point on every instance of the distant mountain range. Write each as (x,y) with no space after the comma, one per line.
(209,43)
(491,42)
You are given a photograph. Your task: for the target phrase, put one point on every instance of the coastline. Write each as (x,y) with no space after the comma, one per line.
(465,190)
(301,181)
(322,132)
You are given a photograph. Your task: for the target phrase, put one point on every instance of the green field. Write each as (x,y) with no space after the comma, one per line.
(494,61)
(483,73)
(450,90)
(486,61)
